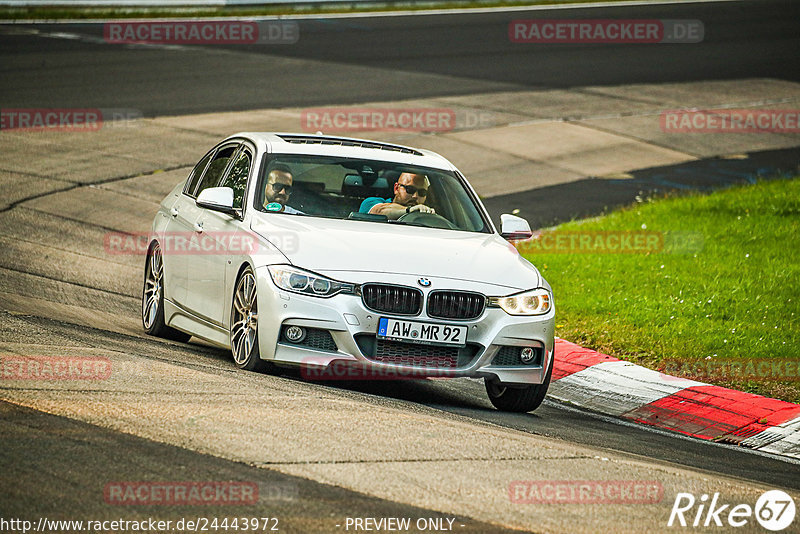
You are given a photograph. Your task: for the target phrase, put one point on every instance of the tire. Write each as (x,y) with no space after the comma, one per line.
(153,299)
(244,324)
(517,399)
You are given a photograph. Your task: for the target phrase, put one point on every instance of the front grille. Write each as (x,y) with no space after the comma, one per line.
(399,353)
(399,300)
(508,356)
(316,338)
(455,304)
(417,355)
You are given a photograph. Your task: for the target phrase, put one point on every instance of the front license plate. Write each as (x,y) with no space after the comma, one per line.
(417,332)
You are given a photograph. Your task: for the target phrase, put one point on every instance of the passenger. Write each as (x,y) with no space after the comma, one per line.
(278,189)
(410,194)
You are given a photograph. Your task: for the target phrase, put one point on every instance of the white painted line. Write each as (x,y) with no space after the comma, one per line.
(207,49)
(615,388)
(398,13)
(509,9)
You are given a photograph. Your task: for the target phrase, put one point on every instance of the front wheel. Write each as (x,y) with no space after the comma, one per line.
(153,299)
(244,324)
(517,398)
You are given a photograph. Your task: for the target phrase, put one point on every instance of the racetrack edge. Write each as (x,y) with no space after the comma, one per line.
(597,382)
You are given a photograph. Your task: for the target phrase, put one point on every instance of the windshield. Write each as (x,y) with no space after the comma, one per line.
(367,190)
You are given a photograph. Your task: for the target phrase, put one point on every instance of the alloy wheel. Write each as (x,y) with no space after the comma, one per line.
(152,288)
(244,324)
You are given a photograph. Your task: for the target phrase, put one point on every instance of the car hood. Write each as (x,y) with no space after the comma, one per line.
(326,245)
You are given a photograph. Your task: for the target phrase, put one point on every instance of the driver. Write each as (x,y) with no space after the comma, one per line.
(278,189)
(410,193)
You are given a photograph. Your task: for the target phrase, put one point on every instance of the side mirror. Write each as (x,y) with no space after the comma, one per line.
(218,199)
(513,227)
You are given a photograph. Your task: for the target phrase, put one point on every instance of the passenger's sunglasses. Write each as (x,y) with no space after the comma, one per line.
(410,189)
(278,187)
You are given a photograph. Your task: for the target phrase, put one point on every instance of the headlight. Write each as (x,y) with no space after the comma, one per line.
(533,302)
(305,282)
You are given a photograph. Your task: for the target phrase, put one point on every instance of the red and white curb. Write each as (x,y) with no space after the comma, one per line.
(601,383)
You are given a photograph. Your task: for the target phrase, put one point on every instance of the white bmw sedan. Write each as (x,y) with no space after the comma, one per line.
(318,251)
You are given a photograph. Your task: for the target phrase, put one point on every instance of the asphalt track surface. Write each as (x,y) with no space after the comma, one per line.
(405,57)
(591,196)
(349,60)
(68,487)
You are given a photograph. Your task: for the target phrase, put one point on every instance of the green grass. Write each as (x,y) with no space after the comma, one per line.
(731,297)
(267,9)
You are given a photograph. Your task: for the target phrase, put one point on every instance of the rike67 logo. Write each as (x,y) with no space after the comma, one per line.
(774,510)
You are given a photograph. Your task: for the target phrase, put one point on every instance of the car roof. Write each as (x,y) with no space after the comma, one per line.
(326,145)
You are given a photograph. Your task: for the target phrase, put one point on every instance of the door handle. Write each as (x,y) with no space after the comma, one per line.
(198,227)
(173,211)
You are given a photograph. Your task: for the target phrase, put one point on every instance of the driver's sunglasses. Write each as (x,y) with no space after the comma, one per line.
(410,189)
(278,187)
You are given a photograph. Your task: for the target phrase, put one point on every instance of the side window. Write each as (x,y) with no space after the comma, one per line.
(215,169)
(197,172)
(237,177)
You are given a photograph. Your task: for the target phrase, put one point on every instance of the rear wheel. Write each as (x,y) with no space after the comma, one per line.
(244,323)
(513,398)
(153,299)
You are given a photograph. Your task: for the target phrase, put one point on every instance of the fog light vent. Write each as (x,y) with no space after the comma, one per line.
(527,355)
(295,334)
(510,356)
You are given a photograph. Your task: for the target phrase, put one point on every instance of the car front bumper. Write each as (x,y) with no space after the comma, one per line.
(492,338)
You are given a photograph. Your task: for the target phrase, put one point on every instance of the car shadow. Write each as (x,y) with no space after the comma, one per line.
(454,392)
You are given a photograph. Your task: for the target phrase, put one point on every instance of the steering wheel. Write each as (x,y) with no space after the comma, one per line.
(431,220)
